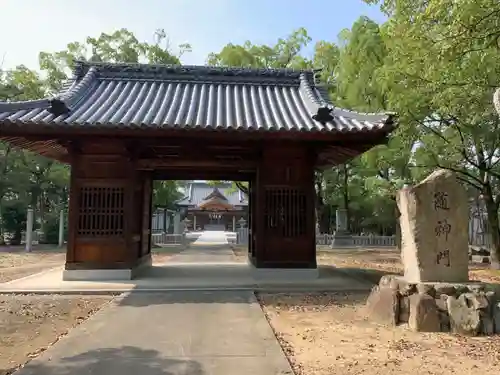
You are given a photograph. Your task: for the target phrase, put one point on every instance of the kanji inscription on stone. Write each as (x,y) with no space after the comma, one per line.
(434,229)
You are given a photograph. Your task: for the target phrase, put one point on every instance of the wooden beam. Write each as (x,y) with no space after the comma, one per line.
(151,164)
(202,151)
(204,174)
(228,135)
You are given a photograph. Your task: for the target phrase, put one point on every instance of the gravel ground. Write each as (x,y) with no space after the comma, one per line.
(329,334)
(15,264)
(389,261)
(29,324)
(321,333)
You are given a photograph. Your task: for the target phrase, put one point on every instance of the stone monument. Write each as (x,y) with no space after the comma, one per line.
(342,237)
(435,293)
(434,229)
(177,223)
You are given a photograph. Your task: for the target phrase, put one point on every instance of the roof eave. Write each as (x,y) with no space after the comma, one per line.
(180,202)
(58,105)
(62,130)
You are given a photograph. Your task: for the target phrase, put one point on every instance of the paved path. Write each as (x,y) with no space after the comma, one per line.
(172,333)
(210,247)
(188,333)
(211,238)
(207,264)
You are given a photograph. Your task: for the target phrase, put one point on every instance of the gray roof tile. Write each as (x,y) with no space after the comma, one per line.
(160,96)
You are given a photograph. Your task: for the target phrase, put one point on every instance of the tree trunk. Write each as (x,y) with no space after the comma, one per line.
(322,210)
(323,214)
(345,196)
(493,223)
(2,237)
(397,234)
(41,216)
(16,238)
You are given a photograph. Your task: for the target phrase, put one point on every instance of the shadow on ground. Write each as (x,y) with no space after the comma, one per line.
(141,299)
(238,271)
(304,301)
(127,360)
(370,275)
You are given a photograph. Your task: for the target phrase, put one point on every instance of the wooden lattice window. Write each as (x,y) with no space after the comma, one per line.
(101,211)
(285,212)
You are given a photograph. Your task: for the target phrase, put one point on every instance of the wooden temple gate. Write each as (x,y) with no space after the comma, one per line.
(122,126)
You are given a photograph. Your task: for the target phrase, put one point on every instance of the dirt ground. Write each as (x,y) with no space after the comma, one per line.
(16,263)
(321,333)
(389,261)
(29,324)
(330,333)
(377,259)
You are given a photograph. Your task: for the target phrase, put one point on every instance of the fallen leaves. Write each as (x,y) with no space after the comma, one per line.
(330,333)
(334,337)
(29,324)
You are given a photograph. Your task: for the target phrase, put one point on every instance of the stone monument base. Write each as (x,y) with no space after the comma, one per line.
(463,308)
(342,239)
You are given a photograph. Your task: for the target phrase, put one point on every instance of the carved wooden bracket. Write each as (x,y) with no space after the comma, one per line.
(134,150)
(72,146)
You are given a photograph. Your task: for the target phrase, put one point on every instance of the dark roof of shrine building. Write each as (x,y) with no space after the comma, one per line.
(104,95)
(198,192)
(215,194)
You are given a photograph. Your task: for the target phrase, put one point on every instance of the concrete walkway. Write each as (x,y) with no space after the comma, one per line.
(198,276)
(210,247)
(211,238)
(174,333)
(207,264)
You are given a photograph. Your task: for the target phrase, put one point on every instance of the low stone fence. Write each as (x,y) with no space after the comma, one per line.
(242,236)
(36,239)
(360,241)
(326,239)
(232,238)
(168,239)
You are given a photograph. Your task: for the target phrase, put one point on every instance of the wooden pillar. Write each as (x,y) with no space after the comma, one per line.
(146,211)
(110,214)
(250,218)
(285,233)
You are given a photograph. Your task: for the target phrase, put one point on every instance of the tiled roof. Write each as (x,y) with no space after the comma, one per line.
(197,192)
(187,97)
(215,194)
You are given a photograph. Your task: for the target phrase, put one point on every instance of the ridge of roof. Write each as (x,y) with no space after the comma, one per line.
(215,193)
(155,71)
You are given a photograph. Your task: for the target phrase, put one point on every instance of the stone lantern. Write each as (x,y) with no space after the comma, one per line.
(242,222)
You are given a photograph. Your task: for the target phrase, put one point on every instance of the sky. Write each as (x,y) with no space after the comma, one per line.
(31,26)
